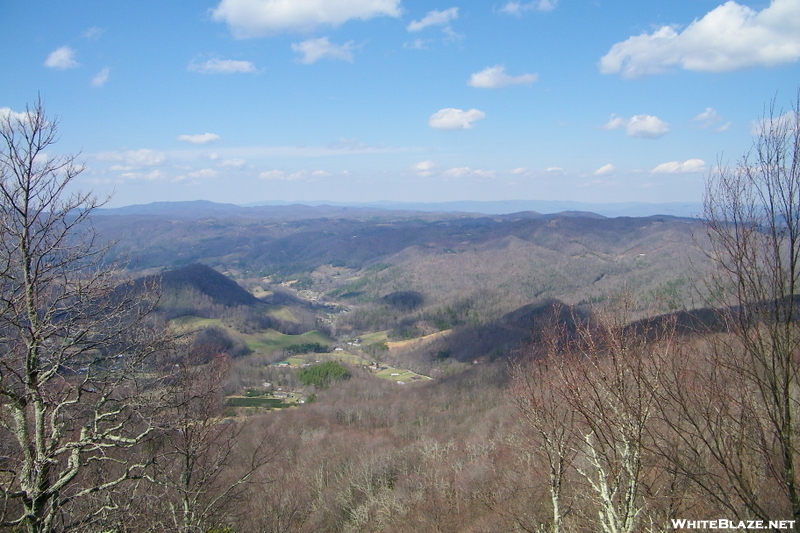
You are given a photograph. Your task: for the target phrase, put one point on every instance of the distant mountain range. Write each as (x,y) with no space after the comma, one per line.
(504,207)
(314,209)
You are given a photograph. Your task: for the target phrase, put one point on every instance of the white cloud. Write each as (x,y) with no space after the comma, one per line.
(519,170)
(731,36)
(100,78)
(710,117)
(273,175)
(517,8)
(235,163)
(707,118)
(460,172)
(62,58)
(202,138)
(455,119)
(434,18)
(222,66)
(424,168)
(204,173)
(495,77)
(646,126)
(677,167)
(605,169)
(643,126)
(131,159)
(153,175)
(789,121)
(254,18)
(8,114)
(315,49)
(484,173)
(451,36)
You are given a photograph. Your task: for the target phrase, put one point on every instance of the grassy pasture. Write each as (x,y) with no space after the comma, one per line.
(272,341)
(281,312)
(244,401)
(185,324)
(375,338)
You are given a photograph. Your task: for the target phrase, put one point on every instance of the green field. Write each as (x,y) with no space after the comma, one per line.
(193,323)
(272,340)
(243,401)
(281,312)
(374,338)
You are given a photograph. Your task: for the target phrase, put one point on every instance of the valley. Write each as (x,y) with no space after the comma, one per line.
(402,296)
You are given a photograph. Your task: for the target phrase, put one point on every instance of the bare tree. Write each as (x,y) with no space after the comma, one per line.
(589,398)
(74,338)
(548,422)
(205,463)
(753,221)
(609,375)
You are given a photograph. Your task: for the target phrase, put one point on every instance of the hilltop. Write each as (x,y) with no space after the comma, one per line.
(467,285)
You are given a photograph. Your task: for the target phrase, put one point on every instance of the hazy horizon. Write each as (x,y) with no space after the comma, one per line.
(488,207)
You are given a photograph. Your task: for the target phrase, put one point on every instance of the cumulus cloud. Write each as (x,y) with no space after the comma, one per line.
(255,18)
(315,49)
(518,8)
(678,167)
(222,66)
(62,58)
(731,36)
(434,18)
(787,121)
(643,126)
(6,113)
(455,119)
(495,77)
(202,138)
(605,169)
(707,118)
(100,78)
(424,168)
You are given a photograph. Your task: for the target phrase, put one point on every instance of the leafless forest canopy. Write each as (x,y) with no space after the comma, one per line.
(229,370)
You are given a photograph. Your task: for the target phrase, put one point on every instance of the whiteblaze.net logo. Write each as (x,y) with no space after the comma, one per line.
(723,523)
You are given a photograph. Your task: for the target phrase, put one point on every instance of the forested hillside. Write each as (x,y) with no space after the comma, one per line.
(394,373)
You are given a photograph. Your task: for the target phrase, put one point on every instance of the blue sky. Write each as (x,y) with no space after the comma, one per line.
(363,100)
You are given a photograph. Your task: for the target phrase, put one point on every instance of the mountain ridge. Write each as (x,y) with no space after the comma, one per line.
(301,209)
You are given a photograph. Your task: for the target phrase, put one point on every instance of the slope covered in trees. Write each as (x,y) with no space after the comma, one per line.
(550,392)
